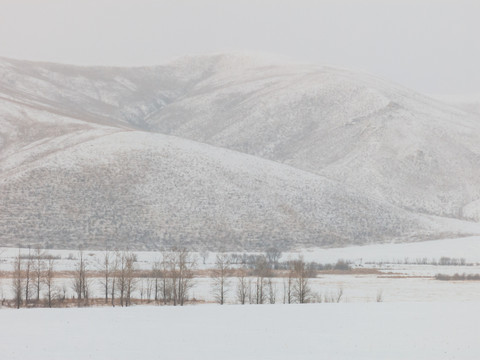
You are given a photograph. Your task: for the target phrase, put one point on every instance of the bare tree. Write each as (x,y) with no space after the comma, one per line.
(339,295)
(149,289)
(260,295)
(130,277)
(121,276)
(141,288)
(288,287)
(174,274)
(80,281)
(114,274)
(125,276)
(48,280)
(272,291)
(156,275)
(242,286)
(18,281)
(38,268)
(181,274)
(262,270)
(220,278)
(166,277)
(250,292)
(162,279)
(63,293)
(301,288)
(27,275)
(379,295)
(273,255)
(204,255)
(106,268)
(186,266)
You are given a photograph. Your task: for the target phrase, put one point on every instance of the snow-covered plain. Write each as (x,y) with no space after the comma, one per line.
(467,248)
(391,253)
(399,277)
(321,331)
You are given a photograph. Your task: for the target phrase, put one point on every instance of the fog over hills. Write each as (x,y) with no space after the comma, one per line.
(467,102)
(262,153)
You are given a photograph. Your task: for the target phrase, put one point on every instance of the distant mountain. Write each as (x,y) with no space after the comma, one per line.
(466,102)
(321,157)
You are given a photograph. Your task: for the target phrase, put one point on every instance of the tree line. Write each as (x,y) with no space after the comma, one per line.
(169,280)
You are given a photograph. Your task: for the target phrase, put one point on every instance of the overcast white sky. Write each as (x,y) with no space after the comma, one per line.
(429,45)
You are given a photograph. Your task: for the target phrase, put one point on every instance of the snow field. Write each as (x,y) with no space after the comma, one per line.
(319,331)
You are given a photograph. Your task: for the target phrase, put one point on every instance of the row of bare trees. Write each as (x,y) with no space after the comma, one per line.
(117,272)
(173,277)
(170,279)
(257,286)
(117,276)
(32,273)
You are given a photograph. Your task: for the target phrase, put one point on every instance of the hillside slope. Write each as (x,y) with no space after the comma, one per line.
(377,137)
(83,158)
(146,191)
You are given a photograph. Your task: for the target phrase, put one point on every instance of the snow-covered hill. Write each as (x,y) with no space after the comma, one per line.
(146,191)
(335,157)
(467,102)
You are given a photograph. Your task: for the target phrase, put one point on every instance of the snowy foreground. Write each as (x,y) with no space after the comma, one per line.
(317,331)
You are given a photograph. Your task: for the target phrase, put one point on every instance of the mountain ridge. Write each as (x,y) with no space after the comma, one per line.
(381,145)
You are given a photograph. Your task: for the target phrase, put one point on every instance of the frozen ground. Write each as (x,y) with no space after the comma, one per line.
(365,288)
(323,331)
(467,248)
(355,288)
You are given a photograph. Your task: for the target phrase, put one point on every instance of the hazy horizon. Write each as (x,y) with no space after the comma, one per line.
(428,46)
